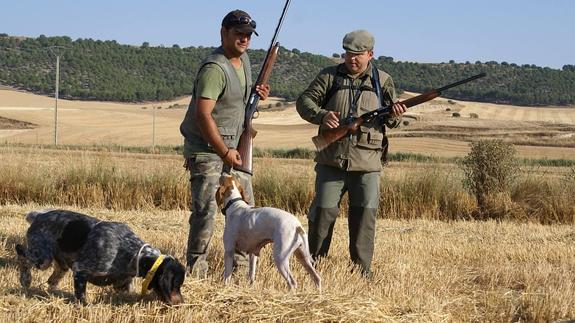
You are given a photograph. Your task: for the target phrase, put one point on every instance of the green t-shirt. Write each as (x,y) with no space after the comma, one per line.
(212,81)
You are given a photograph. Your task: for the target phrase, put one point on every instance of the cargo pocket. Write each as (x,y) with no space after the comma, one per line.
(228,136)
(369,138)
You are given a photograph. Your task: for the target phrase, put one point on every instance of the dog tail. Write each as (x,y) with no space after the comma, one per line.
(301,232)
(31,216)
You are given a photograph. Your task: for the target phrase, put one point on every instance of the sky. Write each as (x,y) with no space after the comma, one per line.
(513,31)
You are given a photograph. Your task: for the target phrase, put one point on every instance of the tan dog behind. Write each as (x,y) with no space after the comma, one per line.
(249,229)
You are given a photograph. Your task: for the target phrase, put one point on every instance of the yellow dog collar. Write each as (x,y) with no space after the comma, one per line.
(151,273)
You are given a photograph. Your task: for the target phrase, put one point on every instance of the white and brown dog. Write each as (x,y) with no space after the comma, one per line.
(248,229)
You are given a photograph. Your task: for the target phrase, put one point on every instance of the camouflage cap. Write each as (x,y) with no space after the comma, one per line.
(358,41)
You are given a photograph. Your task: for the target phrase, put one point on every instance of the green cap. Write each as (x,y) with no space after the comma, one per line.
(358,41)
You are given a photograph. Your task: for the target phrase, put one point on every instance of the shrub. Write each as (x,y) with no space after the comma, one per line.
(489,169)
(448,109)
(474,116)
(406,122)
(456,115)
(451,102)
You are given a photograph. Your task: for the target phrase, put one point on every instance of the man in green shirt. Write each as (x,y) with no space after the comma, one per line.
(212,128)
(353,163)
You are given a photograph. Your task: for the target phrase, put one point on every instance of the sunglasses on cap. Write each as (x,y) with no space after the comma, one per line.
(242,20)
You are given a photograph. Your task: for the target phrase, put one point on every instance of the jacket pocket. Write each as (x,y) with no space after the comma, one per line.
(369,138)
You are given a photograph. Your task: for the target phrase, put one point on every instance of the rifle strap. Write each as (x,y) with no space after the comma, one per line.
(381,104)
(376,85)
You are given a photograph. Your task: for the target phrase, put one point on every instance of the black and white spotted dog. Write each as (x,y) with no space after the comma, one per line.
(99,252)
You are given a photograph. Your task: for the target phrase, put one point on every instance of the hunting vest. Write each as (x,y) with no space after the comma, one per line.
(229,111)
(361,151)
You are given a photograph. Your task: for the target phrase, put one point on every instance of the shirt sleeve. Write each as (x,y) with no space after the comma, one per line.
(309,104)
(388,91)
(211,82)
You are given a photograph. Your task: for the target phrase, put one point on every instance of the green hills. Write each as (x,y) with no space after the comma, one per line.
(106,70)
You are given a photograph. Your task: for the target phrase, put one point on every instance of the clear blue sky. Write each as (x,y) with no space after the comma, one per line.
(514,31)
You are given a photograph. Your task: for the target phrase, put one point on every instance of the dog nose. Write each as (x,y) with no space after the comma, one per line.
(175,298)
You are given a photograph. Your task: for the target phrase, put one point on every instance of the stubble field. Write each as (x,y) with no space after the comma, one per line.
(424,270)
(547,132)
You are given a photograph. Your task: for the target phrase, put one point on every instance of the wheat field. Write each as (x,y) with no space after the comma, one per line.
(157,123)
(423,271)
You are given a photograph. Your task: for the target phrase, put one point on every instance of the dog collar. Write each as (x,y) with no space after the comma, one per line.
(138,259)
(151,273)
(230,202)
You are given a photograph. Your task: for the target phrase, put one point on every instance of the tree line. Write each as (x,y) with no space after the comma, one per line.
(106,70)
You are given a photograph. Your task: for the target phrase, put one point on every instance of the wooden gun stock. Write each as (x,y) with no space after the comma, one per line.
(269,64)
(329,136)
(245,149)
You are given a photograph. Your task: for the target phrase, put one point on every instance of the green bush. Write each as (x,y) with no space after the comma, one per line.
(489,169)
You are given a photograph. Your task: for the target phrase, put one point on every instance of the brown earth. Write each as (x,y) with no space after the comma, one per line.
(542,132)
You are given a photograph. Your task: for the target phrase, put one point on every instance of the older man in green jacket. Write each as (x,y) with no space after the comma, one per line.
(351,164)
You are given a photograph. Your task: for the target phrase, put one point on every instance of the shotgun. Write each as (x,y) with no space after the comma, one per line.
(245,145)
(328,136)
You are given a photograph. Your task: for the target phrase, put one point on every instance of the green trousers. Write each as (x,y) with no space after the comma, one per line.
(363,190)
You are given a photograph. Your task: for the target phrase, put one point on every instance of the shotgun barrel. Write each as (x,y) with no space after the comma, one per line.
(245,145)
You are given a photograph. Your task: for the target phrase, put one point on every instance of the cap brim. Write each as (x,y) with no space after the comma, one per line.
(354,51)
(247,29)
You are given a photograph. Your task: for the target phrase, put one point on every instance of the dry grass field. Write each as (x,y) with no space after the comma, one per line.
(423,271)
(537,132)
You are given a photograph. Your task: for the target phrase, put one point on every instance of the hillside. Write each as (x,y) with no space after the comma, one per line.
(108,71)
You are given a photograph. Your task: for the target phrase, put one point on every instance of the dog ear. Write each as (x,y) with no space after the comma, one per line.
(168,280)
(220,195)
(242,192)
